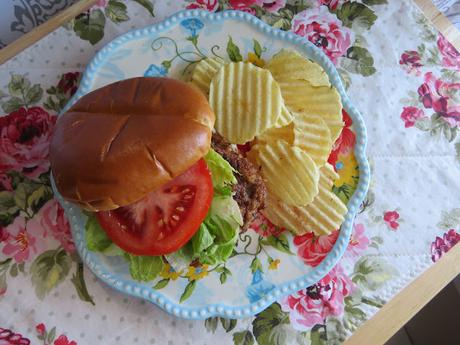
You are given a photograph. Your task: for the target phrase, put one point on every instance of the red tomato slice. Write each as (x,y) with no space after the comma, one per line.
(165,219)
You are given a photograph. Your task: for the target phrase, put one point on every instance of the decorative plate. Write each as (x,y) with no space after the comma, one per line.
(266,267)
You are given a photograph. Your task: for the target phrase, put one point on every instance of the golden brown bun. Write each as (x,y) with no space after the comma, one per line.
(126,139)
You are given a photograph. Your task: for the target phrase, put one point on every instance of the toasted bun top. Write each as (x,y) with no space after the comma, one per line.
(126,139)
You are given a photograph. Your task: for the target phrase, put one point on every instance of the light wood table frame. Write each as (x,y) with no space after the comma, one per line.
(413,297)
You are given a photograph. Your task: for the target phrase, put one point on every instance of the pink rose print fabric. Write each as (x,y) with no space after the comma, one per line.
(435,94)
(8,337)
(391,220)
(324,30)
(243,5)
(208,5)
(313,305)
(22,240)
(24,141)
(52,220)
(442,245)
(411,62)
(332,4)
(271,5)
(358,241)
(410,115)
(450,55)
(435,108)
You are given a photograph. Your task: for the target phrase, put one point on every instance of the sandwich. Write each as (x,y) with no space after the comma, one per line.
(141,157)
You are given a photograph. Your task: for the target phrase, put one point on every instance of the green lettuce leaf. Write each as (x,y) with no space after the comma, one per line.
(96,238)
(228,209)
(222,226)
(113,250)
(202,239)
(144,268)
(222,173)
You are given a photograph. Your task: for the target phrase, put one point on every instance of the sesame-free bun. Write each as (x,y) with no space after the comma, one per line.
(126,139)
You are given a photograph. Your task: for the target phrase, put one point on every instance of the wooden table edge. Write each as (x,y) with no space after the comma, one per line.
(413,297)
(33,36)
(402,307)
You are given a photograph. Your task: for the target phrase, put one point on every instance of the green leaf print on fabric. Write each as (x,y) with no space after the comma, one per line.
(268,326)
(90,26)
(48,270)
(51,335)
(354,13)
(375,2)
(30,196)
(78,280)
(116,11)
(457,150)
(17,85)
(371,273)
(33,94)
(353,315)
(318,335)
(147,4)
(450,220)
(22,94)
(358,60)
(14,270)
(14,103)
(211,324)
(8,208)
(336,333)
(4,266)
(243,338)
(228,324)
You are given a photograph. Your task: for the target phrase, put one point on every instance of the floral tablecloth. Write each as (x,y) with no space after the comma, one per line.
(401,73)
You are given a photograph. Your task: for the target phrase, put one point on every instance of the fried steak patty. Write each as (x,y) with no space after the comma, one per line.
(250,191)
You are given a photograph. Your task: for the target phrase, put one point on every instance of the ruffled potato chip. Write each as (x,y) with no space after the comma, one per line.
(302,97)
(312,135)
(289,172)
(204,71)
(246,100)
(285,133)
(289,64)
(285,117)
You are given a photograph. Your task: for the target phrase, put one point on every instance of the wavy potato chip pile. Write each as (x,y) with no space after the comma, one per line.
(294,116)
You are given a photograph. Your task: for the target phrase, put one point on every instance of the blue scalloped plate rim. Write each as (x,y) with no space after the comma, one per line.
(131,287)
